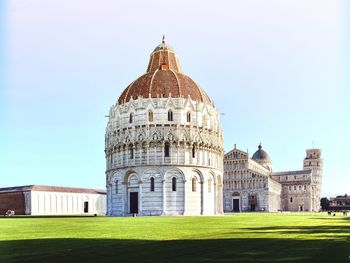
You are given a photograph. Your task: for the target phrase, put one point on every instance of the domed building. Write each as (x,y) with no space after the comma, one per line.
(250,184)
(164,145)
(261,157)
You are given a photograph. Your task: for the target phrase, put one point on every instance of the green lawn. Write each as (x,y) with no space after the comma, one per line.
(240,237)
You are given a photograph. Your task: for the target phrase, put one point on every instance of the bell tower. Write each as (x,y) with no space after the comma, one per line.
(314,162)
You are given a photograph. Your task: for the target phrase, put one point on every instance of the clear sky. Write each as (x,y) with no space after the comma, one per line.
(278,70)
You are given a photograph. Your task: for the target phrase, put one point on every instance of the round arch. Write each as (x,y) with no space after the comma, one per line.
(200,175)
(179,174)
(129,174)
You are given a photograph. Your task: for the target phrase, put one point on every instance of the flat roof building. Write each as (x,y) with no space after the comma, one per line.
(52,200)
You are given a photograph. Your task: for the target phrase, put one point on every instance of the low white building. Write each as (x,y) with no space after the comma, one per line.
(52,200)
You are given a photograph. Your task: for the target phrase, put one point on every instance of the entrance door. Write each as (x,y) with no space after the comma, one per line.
(252,207)
(134,202)
(235,205)
(86,207)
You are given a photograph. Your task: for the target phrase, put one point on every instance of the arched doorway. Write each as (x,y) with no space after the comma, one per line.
(133,194)
(252,200)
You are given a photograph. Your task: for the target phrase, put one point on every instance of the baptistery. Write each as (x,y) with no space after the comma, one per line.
(164,145)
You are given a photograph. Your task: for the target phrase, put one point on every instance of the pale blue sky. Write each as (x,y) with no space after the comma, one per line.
(279,70)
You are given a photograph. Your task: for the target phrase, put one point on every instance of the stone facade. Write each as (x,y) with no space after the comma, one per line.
(164,152)
(339,203)
(14,201)
(250,184)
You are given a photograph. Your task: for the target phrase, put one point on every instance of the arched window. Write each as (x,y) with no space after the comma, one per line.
(131,118)
(188,116)
(131,151)
(173,184)
(166,149)
(194,184)
(291,199)
(150,116)
(205,120)
(209,185)
(152,184)
(193,151)
(170,115)
(116,186)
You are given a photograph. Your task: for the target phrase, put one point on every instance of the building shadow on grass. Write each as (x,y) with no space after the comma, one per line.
(283,230)
(213,250)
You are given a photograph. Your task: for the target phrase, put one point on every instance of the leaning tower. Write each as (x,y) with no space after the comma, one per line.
(314,162)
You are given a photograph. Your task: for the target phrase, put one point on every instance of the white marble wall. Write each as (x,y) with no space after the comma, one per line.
(274,199)
(163,200)
(61,203)
(174,201)
(152,202)
(147,138)
(136,152)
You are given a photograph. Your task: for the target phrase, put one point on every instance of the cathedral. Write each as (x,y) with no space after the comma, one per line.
(251,185)
(164,145)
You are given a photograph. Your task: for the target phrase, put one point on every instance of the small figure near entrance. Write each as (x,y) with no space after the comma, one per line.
(10,213)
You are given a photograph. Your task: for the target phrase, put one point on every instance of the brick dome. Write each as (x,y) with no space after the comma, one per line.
(164,79)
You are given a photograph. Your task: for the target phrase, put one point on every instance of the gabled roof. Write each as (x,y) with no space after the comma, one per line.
(23,188)
(293,172)
(47,188)
(237,151)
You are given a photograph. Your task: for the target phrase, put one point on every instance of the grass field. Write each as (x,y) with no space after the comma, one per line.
(240,238)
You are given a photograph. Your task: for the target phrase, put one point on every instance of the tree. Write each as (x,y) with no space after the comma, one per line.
(324,203)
